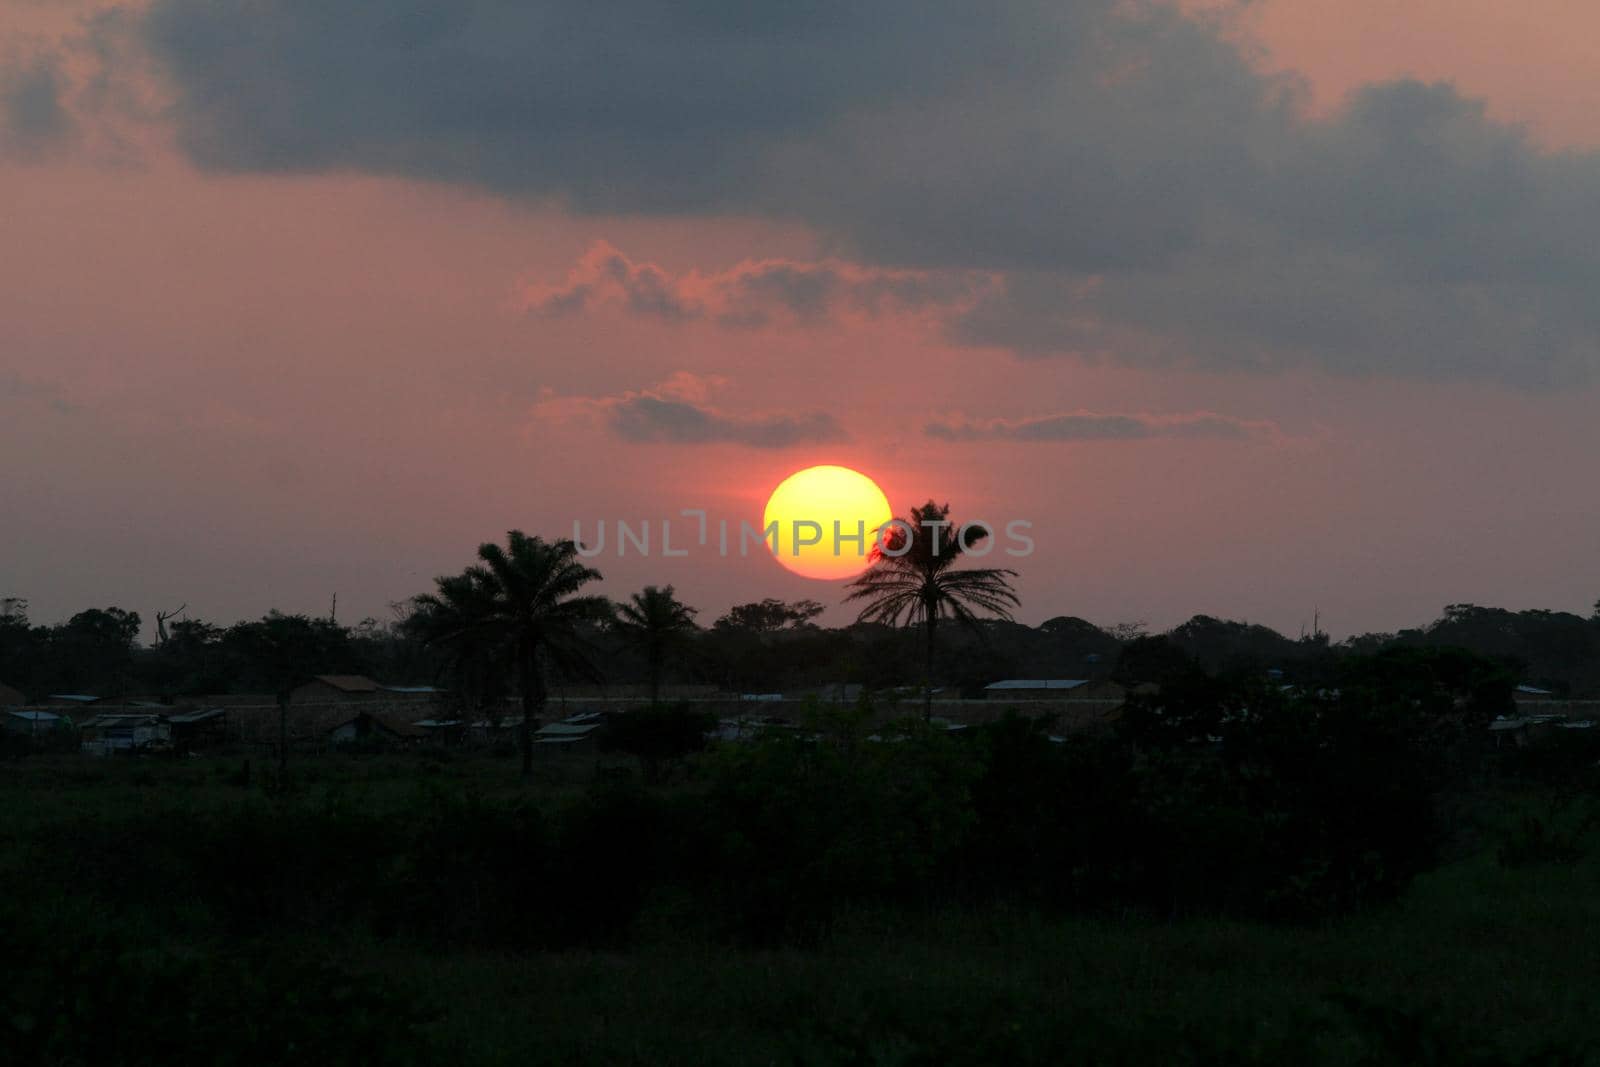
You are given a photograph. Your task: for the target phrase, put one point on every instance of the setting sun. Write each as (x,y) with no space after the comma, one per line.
(811,506)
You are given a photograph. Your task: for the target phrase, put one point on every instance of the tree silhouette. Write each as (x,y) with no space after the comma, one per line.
(654,620)
(770,615)
(522,599)
(282,651)
(913,580)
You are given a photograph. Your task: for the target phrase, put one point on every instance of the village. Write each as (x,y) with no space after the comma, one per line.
(354,713)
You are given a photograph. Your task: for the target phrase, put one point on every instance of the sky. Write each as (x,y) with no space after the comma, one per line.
(1253,309)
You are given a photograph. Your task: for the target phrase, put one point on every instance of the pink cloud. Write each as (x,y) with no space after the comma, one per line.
(1099,426)
(752,293)
(678,412)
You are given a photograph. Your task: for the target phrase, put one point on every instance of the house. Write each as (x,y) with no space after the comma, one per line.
(1527,729)
(748,729)
(105,734)
(1526,694)
(443,731)
(833,693)
(1053,689)
(192,730)
(34,723)
(335,689)
(10,698)
(69,700)
(365,729)
(578,733)
(491,731)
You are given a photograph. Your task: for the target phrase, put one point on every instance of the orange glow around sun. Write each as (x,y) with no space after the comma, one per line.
(810,506)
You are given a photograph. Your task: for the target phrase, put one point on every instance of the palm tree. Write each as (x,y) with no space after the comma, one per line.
(656,620)
(917,583)
(523,601)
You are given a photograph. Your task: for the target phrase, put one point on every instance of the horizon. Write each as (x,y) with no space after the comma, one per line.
(1253,310)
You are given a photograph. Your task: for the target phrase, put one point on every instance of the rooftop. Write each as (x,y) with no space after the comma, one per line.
(1038,683)
(197,716)
(348,683)
(565,729)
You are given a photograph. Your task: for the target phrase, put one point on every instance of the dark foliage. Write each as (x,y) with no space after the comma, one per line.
(74,992)
(659,737)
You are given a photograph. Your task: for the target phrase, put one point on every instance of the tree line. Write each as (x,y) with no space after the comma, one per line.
(523,620)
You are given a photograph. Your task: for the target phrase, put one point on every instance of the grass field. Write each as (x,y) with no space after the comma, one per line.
(1477,963)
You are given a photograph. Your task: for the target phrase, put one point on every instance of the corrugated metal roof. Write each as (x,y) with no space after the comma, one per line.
(35,716)
(565,729)
(82,698)
(348,683)
(411,689)
(1038,683)
(121,721)
(198,716)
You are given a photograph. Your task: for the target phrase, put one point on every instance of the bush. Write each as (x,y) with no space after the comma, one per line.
(661,737)
(795,825)
(77,993)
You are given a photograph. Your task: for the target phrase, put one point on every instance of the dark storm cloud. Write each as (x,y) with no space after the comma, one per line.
(33,118)
(1094,426)
(1143,193)
(622,106)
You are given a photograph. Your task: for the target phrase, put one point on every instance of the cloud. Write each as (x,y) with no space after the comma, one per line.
(1142,192)
(33,391)
(750,294)
(678,412)
(33,117)
(1096,426)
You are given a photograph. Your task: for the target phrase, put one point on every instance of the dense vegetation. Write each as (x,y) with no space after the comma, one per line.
(1216,800)
(763,646)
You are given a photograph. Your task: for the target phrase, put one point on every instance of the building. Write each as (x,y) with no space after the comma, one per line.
(494,731)
(336,689)
(847,693)
(105,734)
(1530,694)
(1053,689)
(371,731)
(69,700)
(194,730)
(34,723)
(443,731)
(575,733)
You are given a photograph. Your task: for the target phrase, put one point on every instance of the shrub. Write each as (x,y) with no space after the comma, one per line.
(661,737)
(77,993)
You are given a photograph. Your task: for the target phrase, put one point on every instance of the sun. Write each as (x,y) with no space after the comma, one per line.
(811,507)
